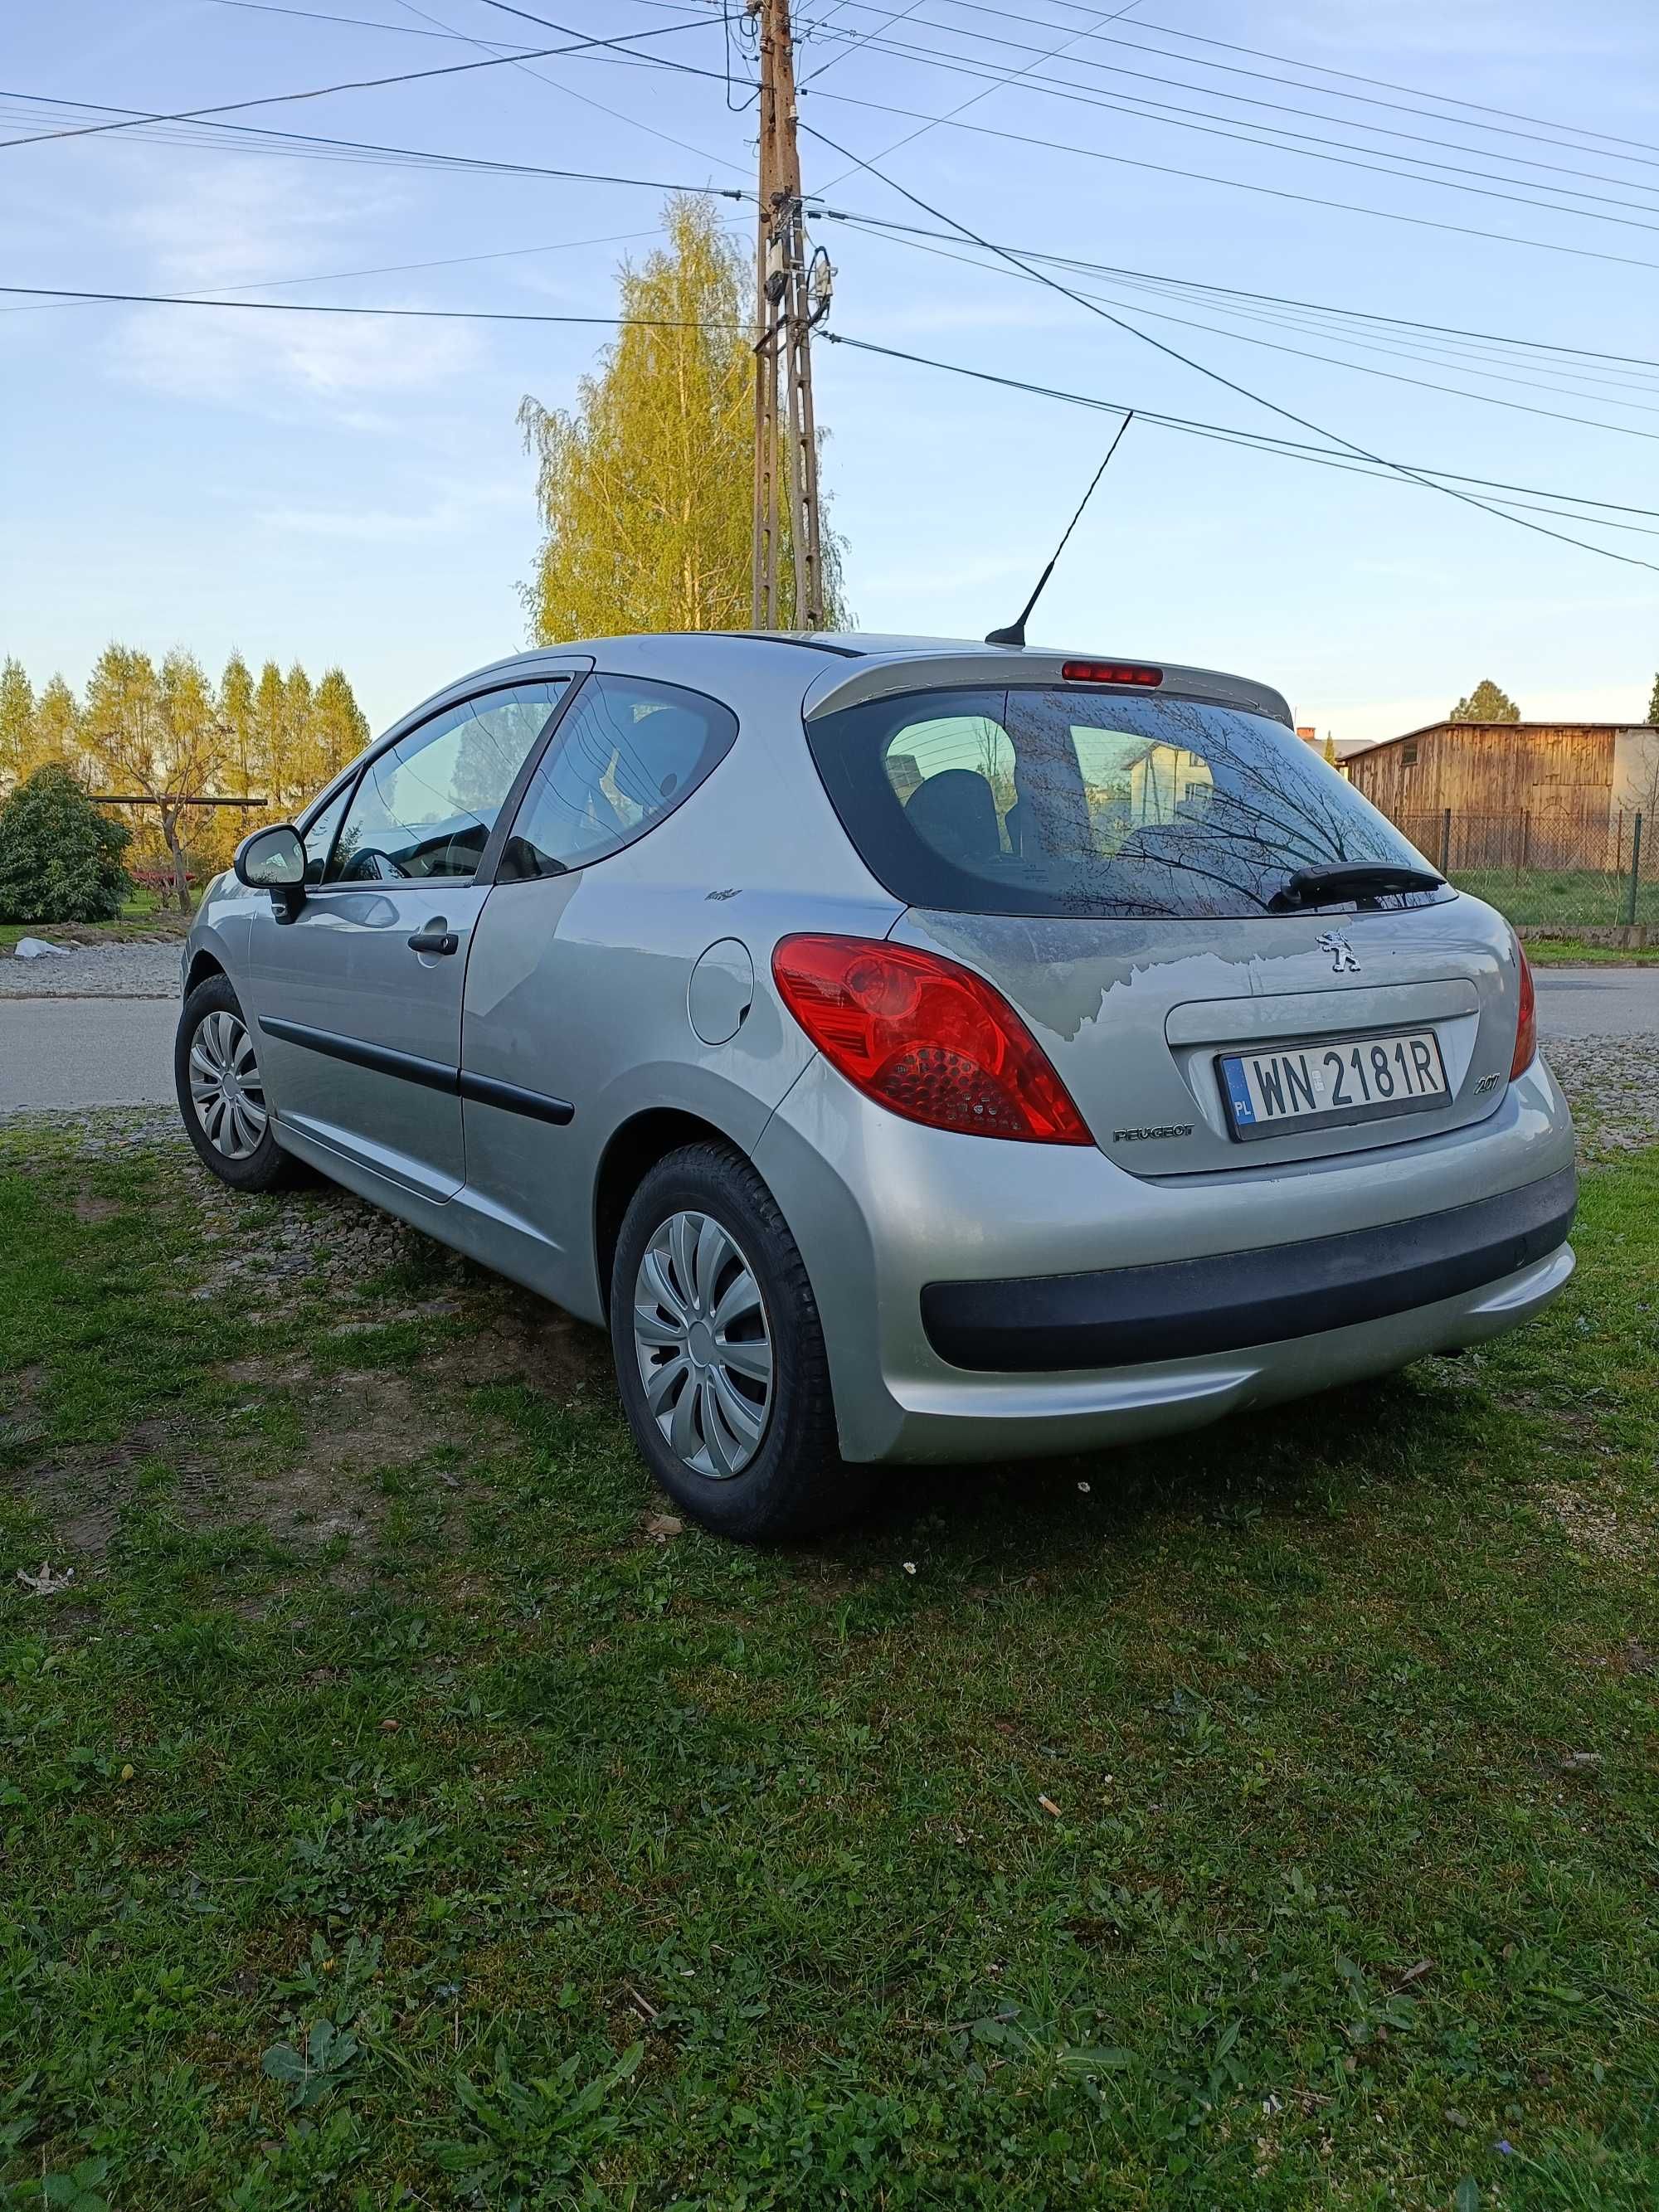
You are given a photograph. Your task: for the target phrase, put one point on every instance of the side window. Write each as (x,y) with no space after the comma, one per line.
(426,806)
(955,778)
(319,834)
(627,753)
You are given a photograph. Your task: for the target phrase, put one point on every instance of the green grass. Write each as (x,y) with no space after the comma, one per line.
(143,916)
(1576,953)
(1574,897)
(387,1820)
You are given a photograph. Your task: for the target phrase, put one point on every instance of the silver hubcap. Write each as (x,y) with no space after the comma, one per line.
(703,1345)
(226,1087)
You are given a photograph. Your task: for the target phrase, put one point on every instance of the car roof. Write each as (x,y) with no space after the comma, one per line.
(823,670)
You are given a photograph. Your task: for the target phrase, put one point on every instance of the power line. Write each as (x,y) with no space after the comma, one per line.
(569,92)
(1354,458)
(1417,473)
(1097,37)
(1187,361)
(331,307)
(366,23)
(354,84)
(1214,92)
(962,107)
(859,38)
(466,164)
(1238,129)
(1239,184)
(386,268)
(1483,398)
(1316,306)
(1389,470)
(1446,100)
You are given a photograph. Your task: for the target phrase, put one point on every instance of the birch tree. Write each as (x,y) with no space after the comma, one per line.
(646,485)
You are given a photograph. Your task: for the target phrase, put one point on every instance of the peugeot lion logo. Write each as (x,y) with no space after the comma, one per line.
(1342,957)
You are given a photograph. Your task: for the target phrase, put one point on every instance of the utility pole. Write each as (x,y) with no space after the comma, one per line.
(791,296)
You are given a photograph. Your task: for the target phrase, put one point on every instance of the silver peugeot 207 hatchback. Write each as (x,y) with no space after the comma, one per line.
(908,1050)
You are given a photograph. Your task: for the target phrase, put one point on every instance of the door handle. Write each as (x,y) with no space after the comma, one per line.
(434,940)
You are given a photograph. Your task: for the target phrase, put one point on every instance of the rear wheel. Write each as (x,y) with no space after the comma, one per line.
(720,1354)
(221,1093)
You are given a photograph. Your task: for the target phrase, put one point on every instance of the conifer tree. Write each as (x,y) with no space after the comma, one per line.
(57,727)
(16,722)
(236,713)
(1487,702)
(341,726)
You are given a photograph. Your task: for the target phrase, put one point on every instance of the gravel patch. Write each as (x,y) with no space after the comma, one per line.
(1612,1083)
(136,970)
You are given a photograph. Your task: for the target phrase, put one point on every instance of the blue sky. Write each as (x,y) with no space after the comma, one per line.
(355,491)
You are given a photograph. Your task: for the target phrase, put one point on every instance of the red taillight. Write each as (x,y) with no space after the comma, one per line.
(1526,1029)
(1110,671)
(925,1038)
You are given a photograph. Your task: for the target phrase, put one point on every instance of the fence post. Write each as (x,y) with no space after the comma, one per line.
(1445,842)
(1526,839)
(1635,868)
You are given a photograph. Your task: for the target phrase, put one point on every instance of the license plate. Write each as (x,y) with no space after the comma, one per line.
(1340,1080)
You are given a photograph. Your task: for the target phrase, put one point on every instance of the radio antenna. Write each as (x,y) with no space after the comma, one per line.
(1015,633)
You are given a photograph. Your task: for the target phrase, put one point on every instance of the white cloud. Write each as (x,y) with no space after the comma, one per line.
(216,230)
(381,525)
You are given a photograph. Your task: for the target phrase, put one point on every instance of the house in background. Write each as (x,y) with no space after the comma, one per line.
(1548,794)
(1344,748)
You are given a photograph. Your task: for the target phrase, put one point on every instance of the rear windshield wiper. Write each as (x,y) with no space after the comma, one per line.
(1351,879)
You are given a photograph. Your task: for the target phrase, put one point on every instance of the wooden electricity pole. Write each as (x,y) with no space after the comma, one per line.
(786,438)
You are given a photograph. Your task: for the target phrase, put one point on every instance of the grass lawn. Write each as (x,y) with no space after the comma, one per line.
(1574,952)
(1572,897)
(395,1812)
(141,916)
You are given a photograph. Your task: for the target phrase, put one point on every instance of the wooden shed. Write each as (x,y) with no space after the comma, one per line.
(1554,790)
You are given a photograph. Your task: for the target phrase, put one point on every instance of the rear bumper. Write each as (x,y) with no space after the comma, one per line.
(890,1217)
(1183,1309)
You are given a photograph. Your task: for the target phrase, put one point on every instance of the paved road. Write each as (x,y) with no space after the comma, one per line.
(1576,1002)
(67,1053)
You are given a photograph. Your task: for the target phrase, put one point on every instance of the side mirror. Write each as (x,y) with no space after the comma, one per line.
(274,860)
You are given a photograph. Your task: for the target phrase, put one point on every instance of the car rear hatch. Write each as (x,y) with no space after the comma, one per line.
(1172,891)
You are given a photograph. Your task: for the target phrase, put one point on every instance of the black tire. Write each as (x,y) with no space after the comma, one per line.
(796,1483)
(266,1166)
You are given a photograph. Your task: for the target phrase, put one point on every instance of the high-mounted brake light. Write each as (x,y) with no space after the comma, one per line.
(1110,671)
(1526,1027)
(925,1038)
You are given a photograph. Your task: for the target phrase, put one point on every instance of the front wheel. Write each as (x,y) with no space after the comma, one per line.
(221,1093)
(719,1353)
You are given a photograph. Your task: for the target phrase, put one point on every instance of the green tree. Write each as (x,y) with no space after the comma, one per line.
(299,771)
(266,748)
(60,855)
(646,487)
(1330,749)
(16,722)
(56,726)
(236,713)
(157,735)
(1653,703)
(1485,703)
(340,724)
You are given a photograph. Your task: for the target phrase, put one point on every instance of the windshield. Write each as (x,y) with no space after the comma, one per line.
(1083,802)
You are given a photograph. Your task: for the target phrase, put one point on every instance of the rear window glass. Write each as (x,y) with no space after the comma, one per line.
(1084,802)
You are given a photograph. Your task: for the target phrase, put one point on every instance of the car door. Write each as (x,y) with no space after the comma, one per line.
(358,996)
(582,961)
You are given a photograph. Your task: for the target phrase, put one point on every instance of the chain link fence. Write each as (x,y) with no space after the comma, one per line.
(1546,871)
